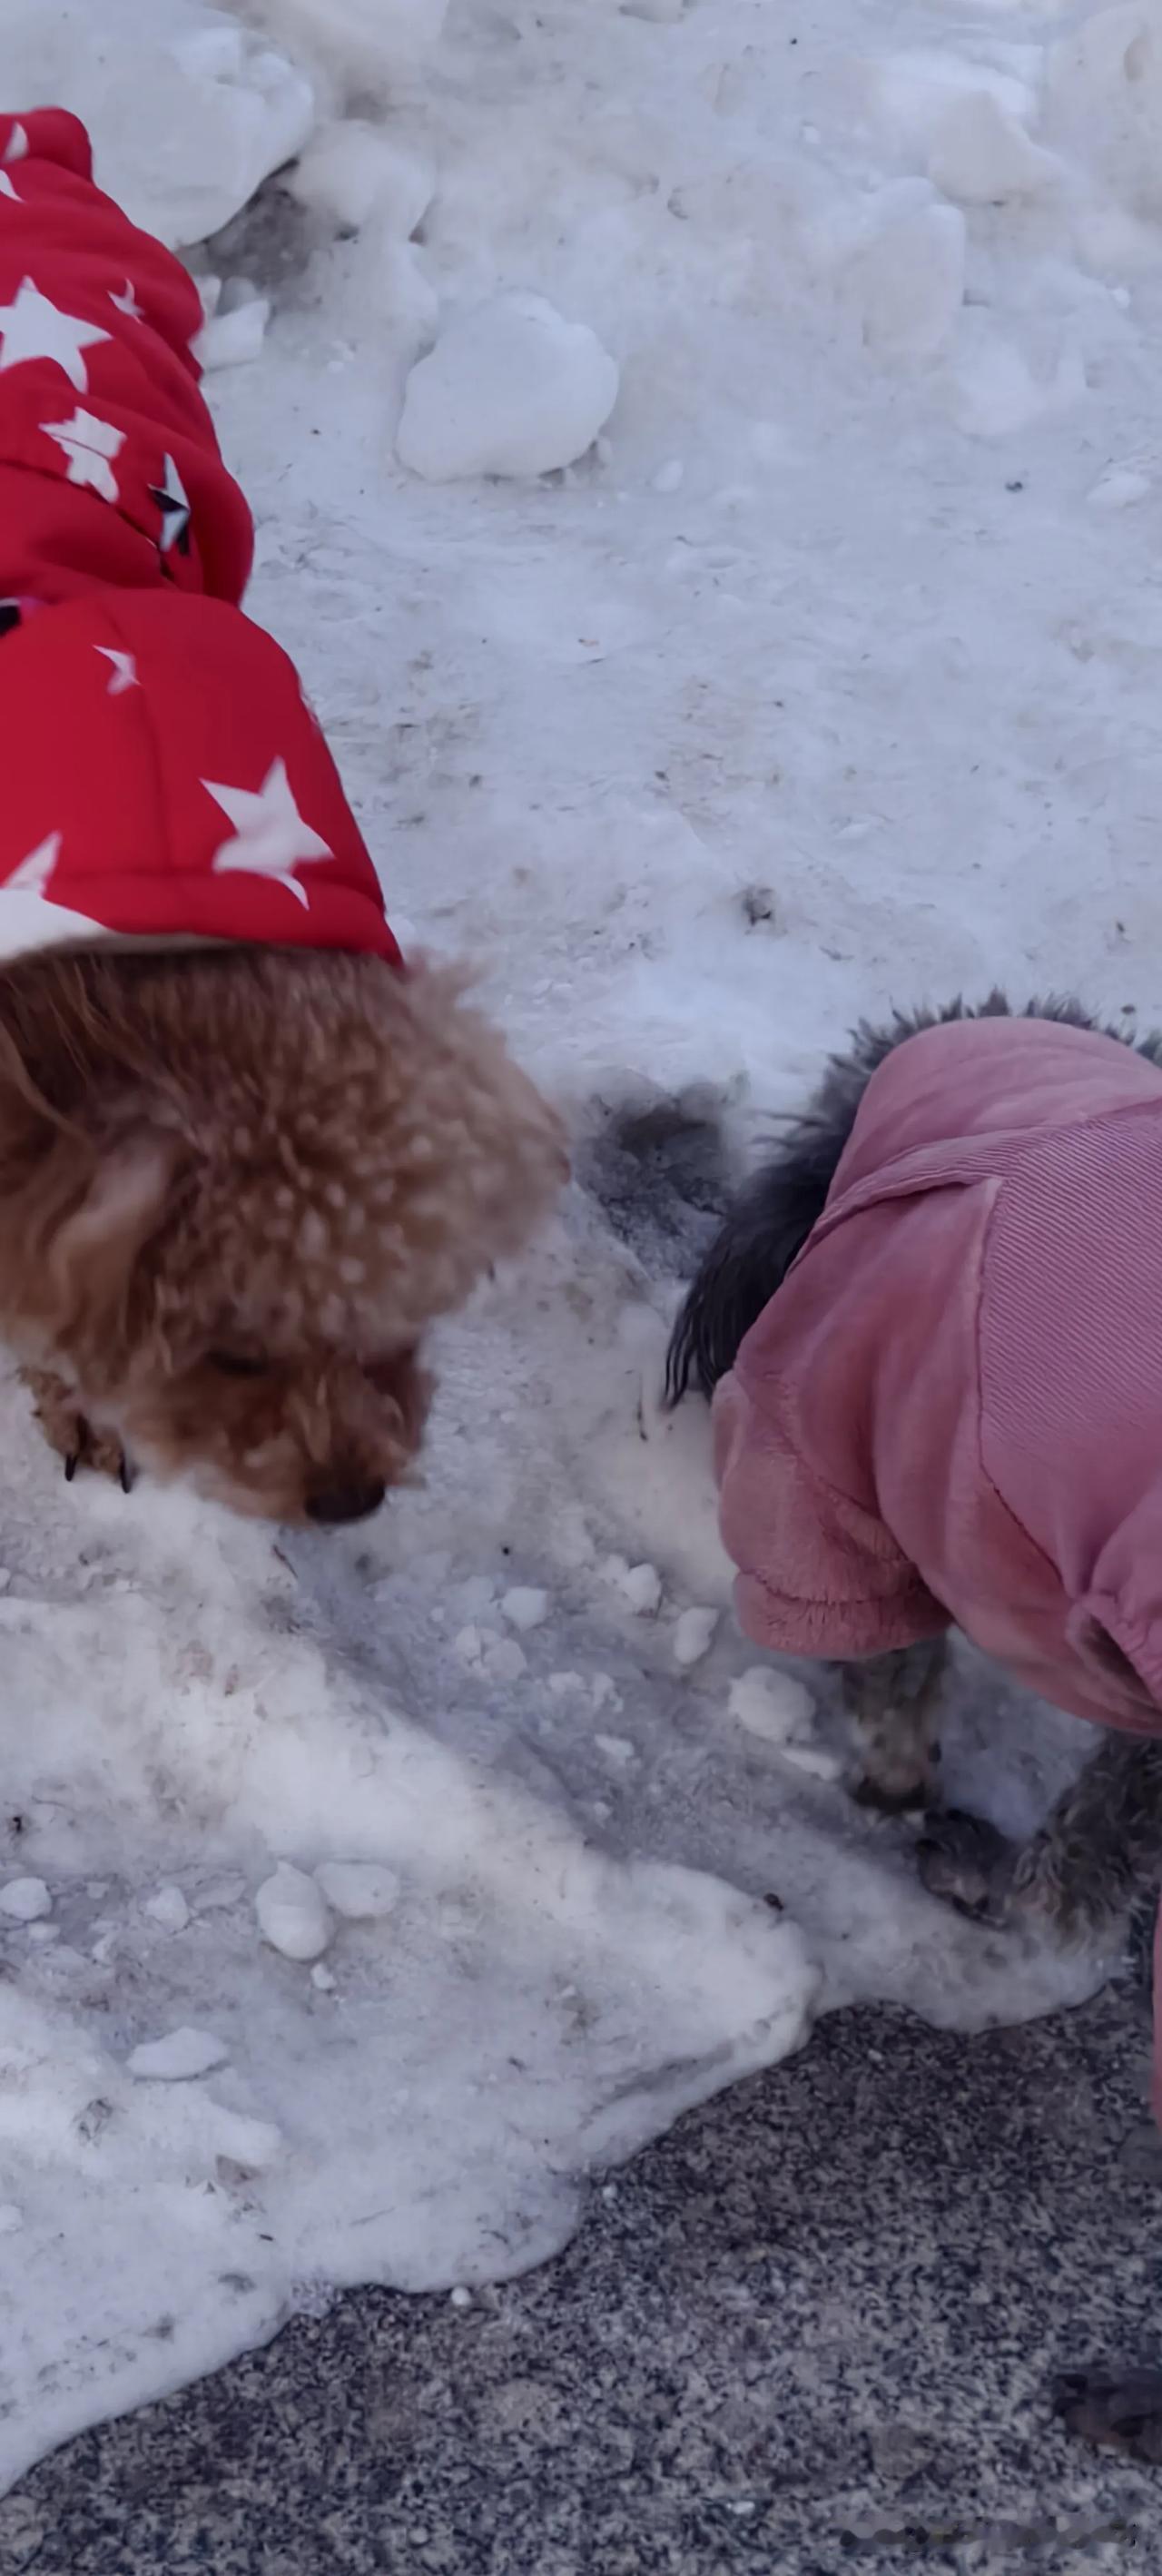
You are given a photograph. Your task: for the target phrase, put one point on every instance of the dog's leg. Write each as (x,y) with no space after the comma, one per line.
(895,1703)
(1097,1855)
(77,1441)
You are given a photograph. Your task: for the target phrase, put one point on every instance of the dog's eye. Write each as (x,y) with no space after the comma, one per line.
(237,1364)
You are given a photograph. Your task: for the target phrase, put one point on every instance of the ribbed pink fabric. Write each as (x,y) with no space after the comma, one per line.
(952,1409)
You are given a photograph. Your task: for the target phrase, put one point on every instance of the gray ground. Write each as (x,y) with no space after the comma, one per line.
(811,2330)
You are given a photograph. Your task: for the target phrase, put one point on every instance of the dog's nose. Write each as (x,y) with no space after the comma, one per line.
(334,1503)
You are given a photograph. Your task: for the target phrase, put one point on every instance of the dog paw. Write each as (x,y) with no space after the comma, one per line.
(79,1442)
(1115,2410)
(966,1863)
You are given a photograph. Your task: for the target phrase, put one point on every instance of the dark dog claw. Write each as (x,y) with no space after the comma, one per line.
(128,1476)
(72,1463)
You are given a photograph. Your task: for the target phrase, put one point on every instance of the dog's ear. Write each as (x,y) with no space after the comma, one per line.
(94,1246)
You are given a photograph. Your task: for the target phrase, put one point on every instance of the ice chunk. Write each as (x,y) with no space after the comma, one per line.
(693,1633)
(169,1908)
(772,1704)
(25,1899)
(525,1607)
(178,2057)
(232,339)
(640,1585)
(361,1890)
(351,172)
(292,1913)
(511,389)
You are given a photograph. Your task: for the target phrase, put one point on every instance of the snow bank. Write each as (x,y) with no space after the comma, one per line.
(511,389)
(187,108)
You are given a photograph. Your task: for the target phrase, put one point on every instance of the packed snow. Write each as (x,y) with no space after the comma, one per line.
(511,389)
(388,1884)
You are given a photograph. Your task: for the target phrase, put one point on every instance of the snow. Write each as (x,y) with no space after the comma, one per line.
(233,337)
(177,2057)
(169,1908)
(639,1585)
(525,1606)
(696,767)
(24,1899)
(772,1704)
(509,389)
(292,1913)
(693,1636)
(188,110)
(359,1889)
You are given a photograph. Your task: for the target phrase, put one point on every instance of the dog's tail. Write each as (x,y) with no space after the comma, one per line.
(748,1259)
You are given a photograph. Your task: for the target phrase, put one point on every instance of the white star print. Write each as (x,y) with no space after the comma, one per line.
(17,145)
(28,916)
(33,327)
(7,189)
(33,873)
(270,836)
(88,443)
(124,670)
(173,502)
(127,302)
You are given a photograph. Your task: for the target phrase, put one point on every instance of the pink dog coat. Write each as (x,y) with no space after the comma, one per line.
(952,1408)
(164,779)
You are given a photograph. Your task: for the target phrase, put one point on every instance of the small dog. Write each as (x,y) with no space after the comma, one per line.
(246,1156)
(931,1409)
(237,1187)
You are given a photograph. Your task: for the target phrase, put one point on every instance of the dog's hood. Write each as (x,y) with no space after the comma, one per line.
(163,779)
(166,781)
(952,1409)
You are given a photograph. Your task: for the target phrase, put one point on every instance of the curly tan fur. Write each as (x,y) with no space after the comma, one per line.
(237,1187)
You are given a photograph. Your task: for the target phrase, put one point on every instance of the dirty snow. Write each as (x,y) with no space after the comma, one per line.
(826,677)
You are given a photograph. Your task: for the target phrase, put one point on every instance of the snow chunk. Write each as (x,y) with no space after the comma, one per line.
(11,2218)
(771,1704)
(232,339)
(982,157)
(292,1914)
(510,389)
(693,1635)
(360,1890)
(360,43)
(169,1908)
(223,110)
(351,172)
(178,2057)
(998,388)
(906,280)
(640,1585)
(25,1899)
(1118,488)
(525,1607)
